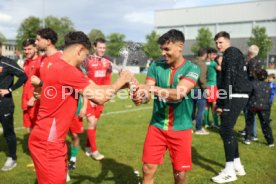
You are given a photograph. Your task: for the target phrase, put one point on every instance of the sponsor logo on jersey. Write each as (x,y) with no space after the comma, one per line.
(193,75)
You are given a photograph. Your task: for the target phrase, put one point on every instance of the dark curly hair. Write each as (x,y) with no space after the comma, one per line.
(77,37)
(49,34)
(172,35)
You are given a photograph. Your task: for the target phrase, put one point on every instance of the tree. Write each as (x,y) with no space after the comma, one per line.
(61,26)
(94,34)
(27,29)
(115,44)
(151,47)
(2,37)
(204,39)
(31,25)
(261,39)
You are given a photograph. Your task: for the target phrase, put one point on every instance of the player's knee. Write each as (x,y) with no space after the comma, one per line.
(149,169)
(179,176)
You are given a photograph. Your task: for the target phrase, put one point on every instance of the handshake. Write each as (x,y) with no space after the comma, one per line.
(139,93)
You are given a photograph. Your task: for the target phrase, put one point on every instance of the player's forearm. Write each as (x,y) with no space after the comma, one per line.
(167,94)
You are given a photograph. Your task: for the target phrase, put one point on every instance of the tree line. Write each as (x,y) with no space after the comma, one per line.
(116,41)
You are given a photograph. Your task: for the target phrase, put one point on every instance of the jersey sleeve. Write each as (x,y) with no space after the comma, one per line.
(75,78)
(151,75)
(193,74)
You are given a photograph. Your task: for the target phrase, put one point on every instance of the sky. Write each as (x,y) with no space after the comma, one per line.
(133,18)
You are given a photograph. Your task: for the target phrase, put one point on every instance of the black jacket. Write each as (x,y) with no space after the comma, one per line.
(259,97)
(253,65)
(8,69)
(233,76)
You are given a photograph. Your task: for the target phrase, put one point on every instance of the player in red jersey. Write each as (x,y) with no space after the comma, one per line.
(31,67)
(58,104)
(46,39)
(99,70)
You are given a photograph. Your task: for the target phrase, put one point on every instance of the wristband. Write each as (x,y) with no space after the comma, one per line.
(10,90)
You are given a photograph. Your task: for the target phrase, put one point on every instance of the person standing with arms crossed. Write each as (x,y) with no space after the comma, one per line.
(170,81)
(8,70)
(233,76)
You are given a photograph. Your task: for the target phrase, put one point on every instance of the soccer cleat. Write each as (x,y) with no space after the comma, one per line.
(224,177)
(271,145)
(254,139)
(97,156)
(242,132)
(246,141)
(88,151)
(72,165)
(9,164)
(201,132)
(240,171)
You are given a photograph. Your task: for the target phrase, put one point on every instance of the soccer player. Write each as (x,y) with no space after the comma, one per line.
(9,69)
(58,103)
(212,88)
(171,81)
(99,70)
(233,76)
(31,67)
(46,39)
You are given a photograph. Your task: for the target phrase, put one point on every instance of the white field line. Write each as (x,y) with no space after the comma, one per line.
(104,114)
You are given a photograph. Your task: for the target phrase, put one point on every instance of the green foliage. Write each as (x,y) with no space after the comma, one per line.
(2,37)
(115,44)
(61,26)
(27,30)
(204,39)
(30,25)
(151,47)
(261,39)
(94,34)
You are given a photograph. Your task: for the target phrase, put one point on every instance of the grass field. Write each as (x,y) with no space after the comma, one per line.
(120,136)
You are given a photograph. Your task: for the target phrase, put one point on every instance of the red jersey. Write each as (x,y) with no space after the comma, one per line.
(98,69)
(58,102)
(46,63)
(31,67)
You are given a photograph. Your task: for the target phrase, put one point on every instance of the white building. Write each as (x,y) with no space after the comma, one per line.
(238,19)
(9,49)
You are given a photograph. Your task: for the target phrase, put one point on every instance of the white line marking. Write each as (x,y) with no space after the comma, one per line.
(104,114)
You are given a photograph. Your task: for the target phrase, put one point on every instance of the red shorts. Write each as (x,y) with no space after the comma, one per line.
(76,125)
(50,160)
(177,142)
(213,94)
(94,110)
(30,116)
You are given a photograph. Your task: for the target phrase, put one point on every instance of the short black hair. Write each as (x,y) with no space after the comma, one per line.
(172,35)
(99,40)
(211,50)
(49,34)
(77,37)
(28,42)
(222,34)
(201,52)
(261,74)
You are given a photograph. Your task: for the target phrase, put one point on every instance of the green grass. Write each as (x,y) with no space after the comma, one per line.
(120,138)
